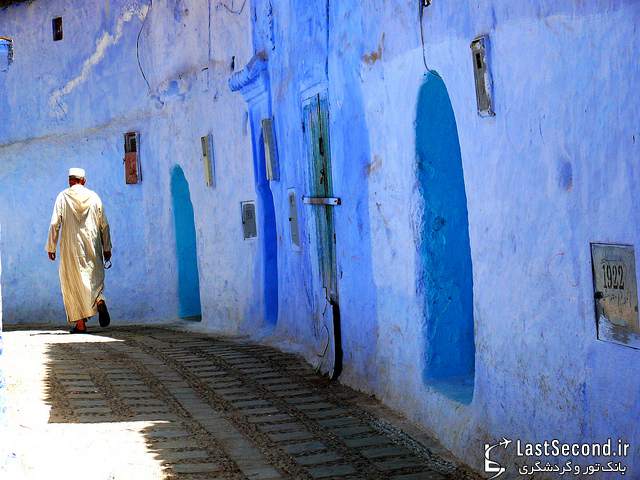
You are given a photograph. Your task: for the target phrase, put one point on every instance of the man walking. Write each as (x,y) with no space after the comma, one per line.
(84,242)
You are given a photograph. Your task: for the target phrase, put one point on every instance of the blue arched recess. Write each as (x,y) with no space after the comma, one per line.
(253,82)
(445,255)
(186,250)
(270,236)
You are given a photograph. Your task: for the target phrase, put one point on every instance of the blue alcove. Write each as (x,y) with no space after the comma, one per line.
(270,235)
(445,270)
(253,82)
(186,249)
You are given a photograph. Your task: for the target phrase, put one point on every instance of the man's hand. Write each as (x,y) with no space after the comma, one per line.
(52,256)
(107,256)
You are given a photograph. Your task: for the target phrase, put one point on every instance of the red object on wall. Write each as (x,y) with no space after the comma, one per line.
(132,173)
(131,167)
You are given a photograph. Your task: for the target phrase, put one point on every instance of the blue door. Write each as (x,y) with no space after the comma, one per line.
(320,184)
(186,249)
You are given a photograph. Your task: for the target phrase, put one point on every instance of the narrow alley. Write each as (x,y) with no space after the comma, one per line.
(358,239)
(160,403)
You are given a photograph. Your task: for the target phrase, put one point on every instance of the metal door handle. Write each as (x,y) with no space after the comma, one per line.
(331,201)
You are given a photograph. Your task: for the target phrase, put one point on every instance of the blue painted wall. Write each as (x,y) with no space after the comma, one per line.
(542,179)
(4,447)
(446,275)
(186,246)
(531,169)
(267,236)
(90,91)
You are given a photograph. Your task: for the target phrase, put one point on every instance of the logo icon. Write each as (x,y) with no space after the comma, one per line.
(491,466)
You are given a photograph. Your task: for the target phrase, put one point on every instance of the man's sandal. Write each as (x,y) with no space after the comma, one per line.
(103,315)
(75,329)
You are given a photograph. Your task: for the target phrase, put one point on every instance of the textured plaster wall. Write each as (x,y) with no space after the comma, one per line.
(68,103)
(3,388)
(553,171)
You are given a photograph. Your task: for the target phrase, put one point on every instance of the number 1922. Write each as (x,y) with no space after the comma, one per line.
(613,276)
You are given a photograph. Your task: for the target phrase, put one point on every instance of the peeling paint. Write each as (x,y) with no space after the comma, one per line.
(374,166)
(373,57)
(539,188)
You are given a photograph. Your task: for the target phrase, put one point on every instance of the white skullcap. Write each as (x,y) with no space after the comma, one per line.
(76,172)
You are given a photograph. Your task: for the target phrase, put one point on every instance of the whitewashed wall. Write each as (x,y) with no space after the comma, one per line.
(554,170)
(68,103)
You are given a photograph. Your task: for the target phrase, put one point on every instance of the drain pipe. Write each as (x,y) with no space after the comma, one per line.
(337,342)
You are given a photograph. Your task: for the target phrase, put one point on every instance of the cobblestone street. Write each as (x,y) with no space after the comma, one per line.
(157,403)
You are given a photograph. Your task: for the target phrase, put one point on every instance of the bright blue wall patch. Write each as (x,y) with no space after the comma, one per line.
(445,255)
(270,235)
(186,249)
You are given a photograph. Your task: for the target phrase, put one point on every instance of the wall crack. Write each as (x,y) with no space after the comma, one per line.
(56,100)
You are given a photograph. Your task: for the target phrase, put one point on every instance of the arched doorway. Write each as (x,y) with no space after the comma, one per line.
(253,83)
(445,268)
(270,238)
(186,248)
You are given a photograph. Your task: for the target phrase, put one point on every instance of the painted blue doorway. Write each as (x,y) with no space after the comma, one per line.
(253,82)
(445,269)
(186,249)
(269,238)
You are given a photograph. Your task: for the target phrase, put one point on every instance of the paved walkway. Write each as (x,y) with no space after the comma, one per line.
(155,403)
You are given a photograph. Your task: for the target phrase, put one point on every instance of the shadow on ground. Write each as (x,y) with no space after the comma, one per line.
(205,407)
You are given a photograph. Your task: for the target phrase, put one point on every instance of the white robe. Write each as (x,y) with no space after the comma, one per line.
(79,215)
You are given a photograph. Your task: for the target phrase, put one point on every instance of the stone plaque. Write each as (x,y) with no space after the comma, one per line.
(616,293)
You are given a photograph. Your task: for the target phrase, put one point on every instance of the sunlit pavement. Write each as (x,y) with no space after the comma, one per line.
(155,403)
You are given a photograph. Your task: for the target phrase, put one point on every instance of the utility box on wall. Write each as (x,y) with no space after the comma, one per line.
(249,226)
(615,293)
(132,172)
(270,151)
(482,75)
(293,219)
(207,159)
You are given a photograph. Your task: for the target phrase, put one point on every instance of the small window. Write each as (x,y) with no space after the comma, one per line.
(57,29)
(249,228)
(130,142)
(478,61)
(132,173)
(6,53)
